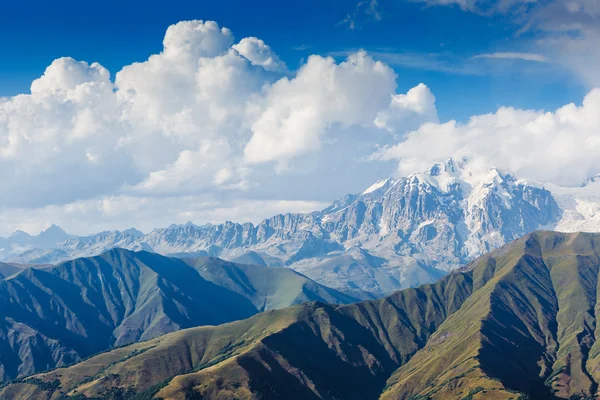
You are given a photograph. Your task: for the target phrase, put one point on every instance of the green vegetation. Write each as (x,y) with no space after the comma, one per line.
(519,323)
(122,297)
(46,386)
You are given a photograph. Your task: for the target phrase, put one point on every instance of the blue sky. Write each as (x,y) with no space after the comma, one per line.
(257,108)
(422,43)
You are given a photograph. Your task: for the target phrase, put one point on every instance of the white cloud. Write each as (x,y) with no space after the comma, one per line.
(197,118)
(513,56)
(66,74)
(560,147)
(365,11)
(259,53)
(482,6)
(418,105)
(565,31)
(323,94)
(193,130)
(208,165)
(191,40)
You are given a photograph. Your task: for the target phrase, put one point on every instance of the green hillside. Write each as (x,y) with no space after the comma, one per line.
(57,316)
(518,323)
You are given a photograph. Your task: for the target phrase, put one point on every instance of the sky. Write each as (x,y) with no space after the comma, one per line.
(143,114)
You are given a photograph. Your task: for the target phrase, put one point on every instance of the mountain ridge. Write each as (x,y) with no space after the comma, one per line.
(423,225)
(516,323)
(58,315)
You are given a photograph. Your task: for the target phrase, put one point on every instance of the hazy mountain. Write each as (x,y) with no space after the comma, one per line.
(20,242)
(7,270)
(59,315)
(520,322)
(397,233)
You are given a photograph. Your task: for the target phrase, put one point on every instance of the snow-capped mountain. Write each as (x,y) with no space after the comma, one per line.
(397,233)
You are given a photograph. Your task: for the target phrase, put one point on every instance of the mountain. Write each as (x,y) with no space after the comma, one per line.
(20,242)
(396,234)
(7,270)
(59,315)
(520,322)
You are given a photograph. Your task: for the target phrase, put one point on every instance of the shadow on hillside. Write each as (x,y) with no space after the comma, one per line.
(336,356)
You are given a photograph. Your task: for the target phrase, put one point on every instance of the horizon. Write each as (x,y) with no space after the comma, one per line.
(369,189)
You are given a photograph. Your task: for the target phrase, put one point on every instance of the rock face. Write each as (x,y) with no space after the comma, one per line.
(398,233)
(518,323)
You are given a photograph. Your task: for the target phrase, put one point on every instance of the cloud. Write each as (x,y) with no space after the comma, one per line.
(211,157)
(323,94)
(66,74)
(365,11)
(484,6)
(566,31)
(417,104)
(205,116)
(260,54)
(440,62)
(513,56)
(79,135)
(560,147)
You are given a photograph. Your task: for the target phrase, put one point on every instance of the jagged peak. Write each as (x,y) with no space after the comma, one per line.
(377,185)
(469,174)
(591,179)
(189,225)
(53,230)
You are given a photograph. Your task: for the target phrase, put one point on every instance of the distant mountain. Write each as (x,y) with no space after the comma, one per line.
(20,242)
(59,315)
(396,234)
(7,270)
(518,323)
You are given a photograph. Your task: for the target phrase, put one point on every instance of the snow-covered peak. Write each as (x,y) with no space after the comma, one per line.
(595,179)
(133,232)
(467,175)
(377,185)
(189,224)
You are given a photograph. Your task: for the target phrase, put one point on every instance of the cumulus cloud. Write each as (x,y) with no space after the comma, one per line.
(209,164)
(560,147)
(66,74)
(323,94)
(418,105)
(259,53)
(204,115)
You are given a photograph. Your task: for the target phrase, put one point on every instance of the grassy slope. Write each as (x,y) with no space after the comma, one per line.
(521,320)
(320,351)
(267,288)
(526,330)
(57,316)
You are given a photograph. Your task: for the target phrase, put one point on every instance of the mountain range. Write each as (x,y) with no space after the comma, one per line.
(396,234)
(61,314)
(520,322)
